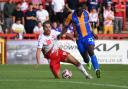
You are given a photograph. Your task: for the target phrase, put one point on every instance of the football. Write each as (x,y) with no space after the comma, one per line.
(66,74)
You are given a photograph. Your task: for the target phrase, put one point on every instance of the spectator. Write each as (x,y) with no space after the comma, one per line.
(48,5)
(119,15)
(2,6)
(18,28)
(1,30)
(30,19)
(36,2)
(49,9)
(107,1)
(9,7)
(1,23)
(42,14)
(94,20)
(36,7)
(55,26)
(18,14)
(93,3)
(101,18)
(38,29)
(24,6)
(60,27)
(70,29)
(58,8)
(108,20)
(43,3)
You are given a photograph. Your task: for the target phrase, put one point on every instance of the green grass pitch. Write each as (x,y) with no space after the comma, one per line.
(28,77)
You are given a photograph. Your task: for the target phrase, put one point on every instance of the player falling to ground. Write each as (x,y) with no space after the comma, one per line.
(85,36)
(47,43)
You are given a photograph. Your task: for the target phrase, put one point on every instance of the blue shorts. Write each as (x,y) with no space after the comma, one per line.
(84,42)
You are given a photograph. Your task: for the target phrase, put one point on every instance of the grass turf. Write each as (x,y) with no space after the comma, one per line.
(29,77)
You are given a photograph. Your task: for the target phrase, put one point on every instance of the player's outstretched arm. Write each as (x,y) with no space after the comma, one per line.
(61,34)
(70,36)
(94,35)
(38,55)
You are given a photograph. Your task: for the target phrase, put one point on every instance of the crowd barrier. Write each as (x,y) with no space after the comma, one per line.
(113,36)
(35,36)
(13,36)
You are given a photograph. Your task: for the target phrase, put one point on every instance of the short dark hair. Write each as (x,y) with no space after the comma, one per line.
(18,19)
(46,22)
(30,4)
(80,5)
(40,4)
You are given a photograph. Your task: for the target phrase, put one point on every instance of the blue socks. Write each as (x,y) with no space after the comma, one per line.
(94,62)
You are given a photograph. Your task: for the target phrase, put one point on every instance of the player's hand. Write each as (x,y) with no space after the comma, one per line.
(95,36)
(74,39)
(59,37)
(35,66)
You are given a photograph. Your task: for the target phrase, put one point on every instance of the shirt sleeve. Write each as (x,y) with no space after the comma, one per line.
(112,15)
(47,14)
(23,29)
(63,2)
(55,33)
(40,42)
(13,26)
(105,14)
(68,20)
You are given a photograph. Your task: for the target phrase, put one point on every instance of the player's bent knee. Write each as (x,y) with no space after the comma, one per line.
(72,60)
(76,63)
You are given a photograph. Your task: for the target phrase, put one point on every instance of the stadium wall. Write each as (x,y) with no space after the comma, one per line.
(107,51)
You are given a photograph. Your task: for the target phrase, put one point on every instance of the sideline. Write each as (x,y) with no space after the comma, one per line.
(84,83)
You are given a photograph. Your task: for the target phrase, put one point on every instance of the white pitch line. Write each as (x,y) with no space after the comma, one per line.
(24,71)
(73,82)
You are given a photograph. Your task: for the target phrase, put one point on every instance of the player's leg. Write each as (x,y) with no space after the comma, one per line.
(55,64)
(95,31)
(55,68)
(84,53)
(72,60)
(94,60)
(86,59)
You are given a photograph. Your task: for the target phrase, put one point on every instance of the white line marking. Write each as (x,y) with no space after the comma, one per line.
(73,82)
(35,70)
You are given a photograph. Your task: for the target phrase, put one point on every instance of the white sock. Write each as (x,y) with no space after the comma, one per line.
(82,69)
